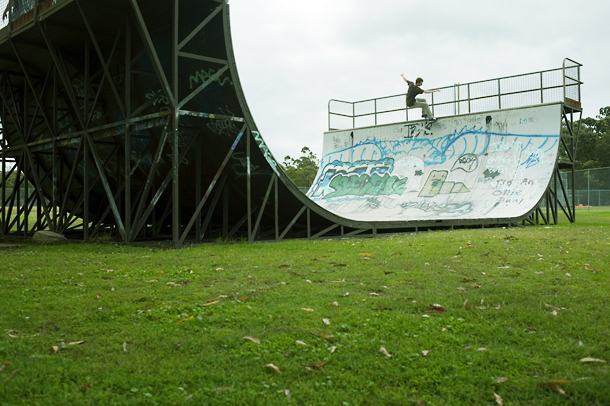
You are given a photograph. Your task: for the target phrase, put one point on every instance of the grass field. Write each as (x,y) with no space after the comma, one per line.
(514,316)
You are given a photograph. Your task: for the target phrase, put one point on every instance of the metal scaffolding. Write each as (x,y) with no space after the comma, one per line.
(126,117)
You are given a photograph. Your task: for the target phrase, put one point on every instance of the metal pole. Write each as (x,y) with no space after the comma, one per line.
(174,138)
(588,190)
(85,154)
(541,89)
(499,96)
(127,127)
(249,186)
(375,111)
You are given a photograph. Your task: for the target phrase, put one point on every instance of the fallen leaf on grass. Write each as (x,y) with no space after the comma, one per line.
(189,397)
(223,389)
(17,335)
(84,387)
(435,310)
(548,306)
(498,307)
(301,343)
(467,347)
(335,303)
(498,399)
(385,352)
(481,349)
(425,353)
(125,346)
(326,321)
(333,349)
(211,303)
(276,369)
(587,359)
(76,342)
(287,392)
(253,339)
(365,254)
(501,379)
(555,388)
(307,309)
(315,366)
(55,348)
(323,334)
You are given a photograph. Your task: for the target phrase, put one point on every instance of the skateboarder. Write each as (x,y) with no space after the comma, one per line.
(414,90)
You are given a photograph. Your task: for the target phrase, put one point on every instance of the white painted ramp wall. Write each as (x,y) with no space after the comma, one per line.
(494,165)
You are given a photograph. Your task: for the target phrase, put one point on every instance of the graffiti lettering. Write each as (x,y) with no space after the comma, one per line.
(204,75)
(505,170)
(223,127)
(507,192)
(265,150)
(158,97)
(415,130)
(366,185)
(466,162)
(446,208)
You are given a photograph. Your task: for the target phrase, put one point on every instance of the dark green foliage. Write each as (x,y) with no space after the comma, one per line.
(593,149)
(302,171)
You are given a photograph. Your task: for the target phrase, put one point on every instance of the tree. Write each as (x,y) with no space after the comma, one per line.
(593,149)
(302,171)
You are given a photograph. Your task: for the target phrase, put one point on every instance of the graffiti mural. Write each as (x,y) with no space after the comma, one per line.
(490,165)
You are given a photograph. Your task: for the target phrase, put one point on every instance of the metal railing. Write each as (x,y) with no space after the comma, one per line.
(560,84)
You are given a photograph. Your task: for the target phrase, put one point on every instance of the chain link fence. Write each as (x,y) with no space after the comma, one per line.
(591,186)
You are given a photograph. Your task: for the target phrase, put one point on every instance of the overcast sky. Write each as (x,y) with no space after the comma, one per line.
(294,56)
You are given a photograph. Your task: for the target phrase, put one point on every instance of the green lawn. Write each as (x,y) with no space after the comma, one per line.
(88,324)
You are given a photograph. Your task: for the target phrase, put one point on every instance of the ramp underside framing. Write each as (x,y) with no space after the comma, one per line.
(129,119)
